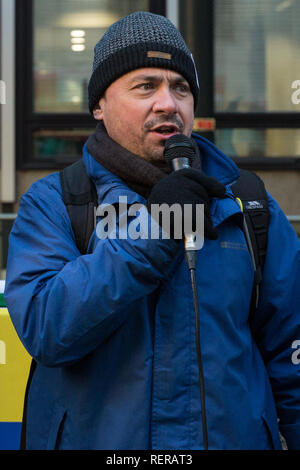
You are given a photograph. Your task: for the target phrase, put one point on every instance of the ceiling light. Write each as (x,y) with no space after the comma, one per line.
(77,40)
(77,33)
(78,47)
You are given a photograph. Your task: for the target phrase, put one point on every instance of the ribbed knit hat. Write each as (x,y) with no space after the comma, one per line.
(141,39)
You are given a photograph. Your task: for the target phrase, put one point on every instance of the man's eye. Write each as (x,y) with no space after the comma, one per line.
(182,88)
(145,86)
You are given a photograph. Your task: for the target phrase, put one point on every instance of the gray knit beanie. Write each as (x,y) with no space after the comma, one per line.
(141,39)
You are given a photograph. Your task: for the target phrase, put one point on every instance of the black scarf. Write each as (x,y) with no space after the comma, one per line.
(139,174)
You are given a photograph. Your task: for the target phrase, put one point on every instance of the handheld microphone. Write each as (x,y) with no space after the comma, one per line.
(180,153)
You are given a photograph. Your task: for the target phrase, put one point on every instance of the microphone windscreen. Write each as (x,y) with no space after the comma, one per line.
(179,145)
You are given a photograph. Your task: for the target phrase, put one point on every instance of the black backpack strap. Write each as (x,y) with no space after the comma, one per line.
(80,197)
(251,192)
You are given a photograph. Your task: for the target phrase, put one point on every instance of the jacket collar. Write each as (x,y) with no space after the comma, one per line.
(109,186)
(215,163)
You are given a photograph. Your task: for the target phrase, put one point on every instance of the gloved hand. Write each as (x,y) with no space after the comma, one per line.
(188,186)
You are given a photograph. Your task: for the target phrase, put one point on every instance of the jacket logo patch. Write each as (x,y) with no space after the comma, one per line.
(159,55)
(254,205)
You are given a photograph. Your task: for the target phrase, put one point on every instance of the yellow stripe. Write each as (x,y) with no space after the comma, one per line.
(14,369)
(240,203)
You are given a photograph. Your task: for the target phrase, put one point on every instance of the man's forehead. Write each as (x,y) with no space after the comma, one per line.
(151,73)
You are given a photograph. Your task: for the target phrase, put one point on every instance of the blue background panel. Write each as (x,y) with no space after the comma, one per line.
(10,434)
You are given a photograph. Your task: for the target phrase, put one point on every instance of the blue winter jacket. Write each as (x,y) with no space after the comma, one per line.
(113,331)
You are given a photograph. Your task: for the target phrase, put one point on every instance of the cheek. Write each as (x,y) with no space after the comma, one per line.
(126,115)
(131,122)
(133,114)
(113,119)
(189,120)
(125,126)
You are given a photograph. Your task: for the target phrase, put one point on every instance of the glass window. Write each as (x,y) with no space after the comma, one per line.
(259,142)
(257,47)
(256,73)
(57,144)
(65,33)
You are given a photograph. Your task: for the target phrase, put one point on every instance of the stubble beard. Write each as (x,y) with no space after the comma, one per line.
(156,153)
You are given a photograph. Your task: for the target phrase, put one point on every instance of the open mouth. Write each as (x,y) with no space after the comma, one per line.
(166,129)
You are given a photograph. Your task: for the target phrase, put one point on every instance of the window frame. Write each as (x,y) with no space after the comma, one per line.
(26,120)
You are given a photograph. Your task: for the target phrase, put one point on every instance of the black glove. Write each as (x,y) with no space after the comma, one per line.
(188,186)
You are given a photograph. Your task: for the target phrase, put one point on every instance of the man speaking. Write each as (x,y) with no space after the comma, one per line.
(112,331)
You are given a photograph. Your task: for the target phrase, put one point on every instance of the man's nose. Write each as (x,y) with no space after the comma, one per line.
(165,101)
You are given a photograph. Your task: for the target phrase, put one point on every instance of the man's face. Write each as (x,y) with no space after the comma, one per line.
(145,107)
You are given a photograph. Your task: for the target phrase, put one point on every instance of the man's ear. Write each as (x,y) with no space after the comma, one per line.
(98,113)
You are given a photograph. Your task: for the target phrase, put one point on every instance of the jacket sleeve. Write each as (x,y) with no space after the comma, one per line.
(63,304)
(277,322)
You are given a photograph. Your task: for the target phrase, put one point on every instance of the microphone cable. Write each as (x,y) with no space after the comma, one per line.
(191,262)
